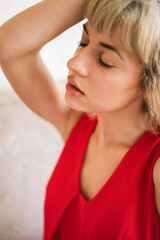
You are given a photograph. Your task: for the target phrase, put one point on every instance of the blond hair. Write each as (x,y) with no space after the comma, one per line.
(139,22)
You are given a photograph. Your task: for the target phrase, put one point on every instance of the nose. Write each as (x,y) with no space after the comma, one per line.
(80,63)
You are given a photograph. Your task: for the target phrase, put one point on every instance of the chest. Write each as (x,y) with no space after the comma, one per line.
(98,167)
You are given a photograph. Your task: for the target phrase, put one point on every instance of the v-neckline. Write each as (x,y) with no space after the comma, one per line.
(115,171)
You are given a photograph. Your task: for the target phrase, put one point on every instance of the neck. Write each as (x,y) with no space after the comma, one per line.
(122,128)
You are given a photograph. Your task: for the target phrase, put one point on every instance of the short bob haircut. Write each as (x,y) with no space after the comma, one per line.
(139,22)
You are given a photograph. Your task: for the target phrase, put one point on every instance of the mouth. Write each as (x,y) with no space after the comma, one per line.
(72,87)
(76,88)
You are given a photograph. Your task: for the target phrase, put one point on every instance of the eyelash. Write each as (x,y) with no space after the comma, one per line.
(100,62)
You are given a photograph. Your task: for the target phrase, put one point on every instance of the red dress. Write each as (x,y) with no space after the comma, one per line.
(124,208)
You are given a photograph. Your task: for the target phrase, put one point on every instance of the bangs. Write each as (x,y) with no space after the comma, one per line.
(135,19)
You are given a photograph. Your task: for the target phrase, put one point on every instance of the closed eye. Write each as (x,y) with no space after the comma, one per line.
(105,65)
(101,63)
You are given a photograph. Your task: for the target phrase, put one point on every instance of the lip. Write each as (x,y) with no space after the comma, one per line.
(73,84)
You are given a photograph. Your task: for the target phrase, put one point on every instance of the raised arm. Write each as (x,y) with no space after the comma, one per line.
(21,39)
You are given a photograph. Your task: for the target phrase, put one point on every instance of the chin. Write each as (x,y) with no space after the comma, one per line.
(74,103)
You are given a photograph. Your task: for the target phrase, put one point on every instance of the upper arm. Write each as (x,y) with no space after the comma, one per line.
(35,86)
(21,38)
(31,29)
(156,180)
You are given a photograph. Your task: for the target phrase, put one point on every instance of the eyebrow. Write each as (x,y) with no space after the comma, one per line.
(112,48)
(105,45)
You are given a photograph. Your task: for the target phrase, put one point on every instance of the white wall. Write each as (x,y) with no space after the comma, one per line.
(56,53)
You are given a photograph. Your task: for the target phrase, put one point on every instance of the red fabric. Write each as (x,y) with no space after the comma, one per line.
(124,208)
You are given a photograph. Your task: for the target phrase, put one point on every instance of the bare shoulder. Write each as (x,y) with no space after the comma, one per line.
(156,180)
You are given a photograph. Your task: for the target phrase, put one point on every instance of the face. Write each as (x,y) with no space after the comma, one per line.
(105,73)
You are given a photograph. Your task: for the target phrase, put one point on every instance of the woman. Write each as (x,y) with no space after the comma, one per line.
(106,184)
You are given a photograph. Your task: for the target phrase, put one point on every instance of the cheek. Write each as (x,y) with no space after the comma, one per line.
(128,77)
(114,83)
(106,80)
(131,83)
(133,74)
